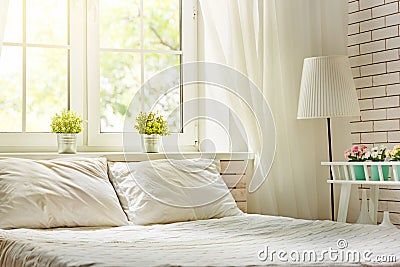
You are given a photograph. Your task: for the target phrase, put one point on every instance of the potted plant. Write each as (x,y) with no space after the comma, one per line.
(358,154)
(66,125)
(394,155)
(378,154)
(151,126)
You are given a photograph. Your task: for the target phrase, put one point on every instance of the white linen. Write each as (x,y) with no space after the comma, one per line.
(230,241)
(170,190)
(57,193)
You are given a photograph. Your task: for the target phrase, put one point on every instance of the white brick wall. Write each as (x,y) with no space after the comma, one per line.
(372,115)
(386,102)
(385,10)
(393,20)
(393,43)
(371,24)
(374,49)
(360,60)
(385,56)
(370,3)
(356,138)
(372,92)
(393,113)
(374,137)
(394,137)
(384,79)
(366,104)
(373,69)
(362,126)
(363,82)
(360,16)
(388,125)
(385,33)
(393,89)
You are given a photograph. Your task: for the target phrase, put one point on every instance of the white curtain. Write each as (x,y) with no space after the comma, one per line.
(268,40)
(3,20)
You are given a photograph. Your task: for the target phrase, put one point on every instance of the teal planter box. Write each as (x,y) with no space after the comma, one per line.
(385,172)
(359,172)
(398,171)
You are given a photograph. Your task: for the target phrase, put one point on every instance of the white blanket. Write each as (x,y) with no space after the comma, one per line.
(230,241)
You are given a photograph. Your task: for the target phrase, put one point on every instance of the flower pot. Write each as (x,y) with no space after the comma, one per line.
(398,171)
(375,172)
(66,143)
(359,172)
(151,143)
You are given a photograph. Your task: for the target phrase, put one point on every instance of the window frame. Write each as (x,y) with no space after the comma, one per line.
(33,141)
(84,98)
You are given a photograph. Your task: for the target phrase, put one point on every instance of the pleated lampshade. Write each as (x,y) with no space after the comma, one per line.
(327,89)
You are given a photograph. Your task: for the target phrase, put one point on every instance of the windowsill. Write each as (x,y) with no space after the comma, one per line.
(133,156)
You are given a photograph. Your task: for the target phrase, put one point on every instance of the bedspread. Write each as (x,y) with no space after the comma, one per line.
(249,240)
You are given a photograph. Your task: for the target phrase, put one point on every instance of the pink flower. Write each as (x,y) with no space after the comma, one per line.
(347,153)
(364,148)
(355,149)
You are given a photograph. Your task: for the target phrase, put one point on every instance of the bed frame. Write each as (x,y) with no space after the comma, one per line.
(234,174)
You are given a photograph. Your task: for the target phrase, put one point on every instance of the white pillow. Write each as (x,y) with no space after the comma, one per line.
(165,191)
(57,193)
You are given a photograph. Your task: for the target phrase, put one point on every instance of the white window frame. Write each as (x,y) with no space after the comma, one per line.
(188,140)
(84,88)
(27,141)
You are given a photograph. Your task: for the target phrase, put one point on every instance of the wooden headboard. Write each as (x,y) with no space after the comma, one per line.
(234,174)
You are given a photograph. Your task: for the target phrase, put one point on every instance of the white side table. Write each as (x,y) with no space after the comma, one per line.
(343,174)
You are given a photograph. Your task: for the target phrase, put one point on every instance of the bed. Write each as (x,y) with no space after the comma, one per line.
(229,241)
(216,234)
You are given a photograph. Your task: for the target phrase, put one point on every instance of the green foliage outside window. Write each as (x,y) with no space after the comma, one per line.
(121,74)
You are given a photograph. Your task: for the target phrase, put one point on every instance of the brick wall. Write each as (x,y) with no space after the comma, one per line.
(374,48)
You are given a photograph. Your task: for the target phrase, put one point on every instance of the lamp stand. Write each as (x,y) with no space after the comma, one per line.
(330,170)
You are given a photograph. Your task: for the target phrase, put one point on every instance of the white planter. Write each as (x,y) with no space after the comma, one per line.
(66,143)
(151,143)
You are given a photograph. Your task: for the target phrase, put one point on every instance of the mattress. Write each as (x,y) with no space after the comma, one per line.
(249,240)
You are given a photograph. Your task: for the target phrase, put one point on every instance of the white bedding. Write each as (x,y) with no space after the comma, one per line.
(230,241)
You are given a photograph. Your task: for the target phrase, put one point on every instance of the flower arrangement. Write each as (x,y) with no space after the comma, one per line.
(378,153)
(357,153)
(67,122)
(393,154)
(151,123)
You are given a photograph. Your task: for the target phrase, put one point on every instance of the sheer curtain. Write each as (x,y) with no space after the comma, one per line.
(267,41)
(3,20)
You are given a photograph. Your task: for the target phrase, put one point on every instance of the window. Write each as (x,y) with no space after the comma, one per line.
(91,56)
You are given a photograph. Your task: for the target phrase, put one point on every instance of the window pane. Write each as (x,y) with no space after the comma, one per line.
(47,21)
(120,24)
(119,82)
(13,31)
(159,81)
(161,24)
(11,89)
(46,86)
